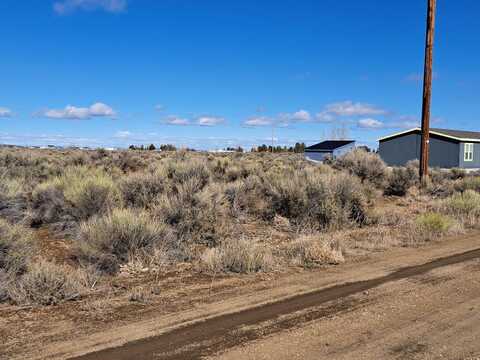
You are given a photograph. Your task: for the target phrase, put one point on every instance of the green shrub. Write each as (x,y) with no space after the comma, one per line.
(115,238)
(433,223)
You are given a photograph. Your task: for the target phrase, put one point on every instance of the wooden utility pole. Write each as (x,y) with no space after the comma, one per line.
(427,91)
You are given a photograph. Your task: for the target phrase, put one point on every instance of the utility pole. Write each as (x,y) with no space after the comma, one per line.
(427,91)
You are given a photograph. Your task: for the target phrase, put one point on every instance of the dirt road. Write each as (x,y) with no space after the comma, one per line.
(427,310)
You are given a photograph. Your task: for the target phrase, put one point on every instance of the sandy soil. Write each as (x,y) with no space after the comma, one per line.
(429,316)
(426,310)
(417,302)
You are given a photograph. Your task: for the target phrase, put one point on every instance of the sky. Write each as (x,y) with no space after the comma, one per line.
(209,74)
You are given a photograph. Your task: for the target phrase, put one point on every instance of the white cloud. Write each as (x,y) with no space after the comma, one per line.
(406,122)
(175,120)
(100,109)
(301,115)
(210,120)
(68,6)
(123,134)
(349,108)
(258,121)
(369,124)
(324,117)
(5,112)
(79,113)
(159,107)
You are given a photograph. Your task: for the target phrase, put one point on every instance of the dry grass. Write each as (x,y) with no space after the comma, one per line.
(113,239)
(16,248)
(46,283)
(238,256)
(311,251)
(148,211)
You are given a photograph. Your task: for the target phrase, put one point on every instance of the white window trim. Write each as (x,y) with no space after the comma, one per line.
(468,151)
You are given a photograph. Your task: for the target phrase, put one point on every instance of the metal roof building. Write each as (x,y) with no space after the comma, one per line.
(331,148)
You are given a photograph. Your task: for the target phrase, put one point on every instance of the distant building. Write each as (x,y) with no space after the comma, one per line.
(448,148)
(329,148)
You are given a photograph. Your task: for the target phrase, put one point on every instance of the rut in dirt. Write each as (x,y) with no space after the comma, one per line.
(226,331)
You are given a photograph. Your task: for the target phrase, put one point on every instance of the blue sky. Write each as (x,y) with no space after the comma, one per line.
(209,74)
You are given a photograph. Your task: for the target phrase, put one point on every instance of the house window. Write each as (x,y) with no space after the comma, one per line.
(468,152)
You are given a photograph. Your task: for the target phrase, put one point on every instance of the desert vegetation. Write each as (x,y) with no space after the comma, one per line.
(228,213)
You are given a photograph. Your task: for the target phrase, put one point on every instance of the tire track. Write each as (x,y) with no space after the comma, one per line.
(223,332)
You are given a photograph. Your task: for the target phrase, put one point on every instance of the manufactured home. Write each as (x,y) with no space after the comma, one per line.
(448,148)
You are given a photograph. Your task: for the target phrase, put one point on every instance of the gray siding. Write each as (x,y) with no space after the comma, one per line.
(316,156)
(398,151)
(343,150)
(443,153)
(475,164)
(320,156)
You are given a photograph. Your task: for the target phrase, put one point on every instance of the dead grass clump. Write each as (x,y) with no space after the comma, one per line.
(10,187)
(140,295)
(238,256)
(365,165)
(115,238)
(46,283)
(16,248)
(310,251)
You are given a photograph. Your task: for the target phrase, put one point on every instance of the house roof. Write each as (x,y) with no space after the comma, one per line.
(329,145)
(459,135)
